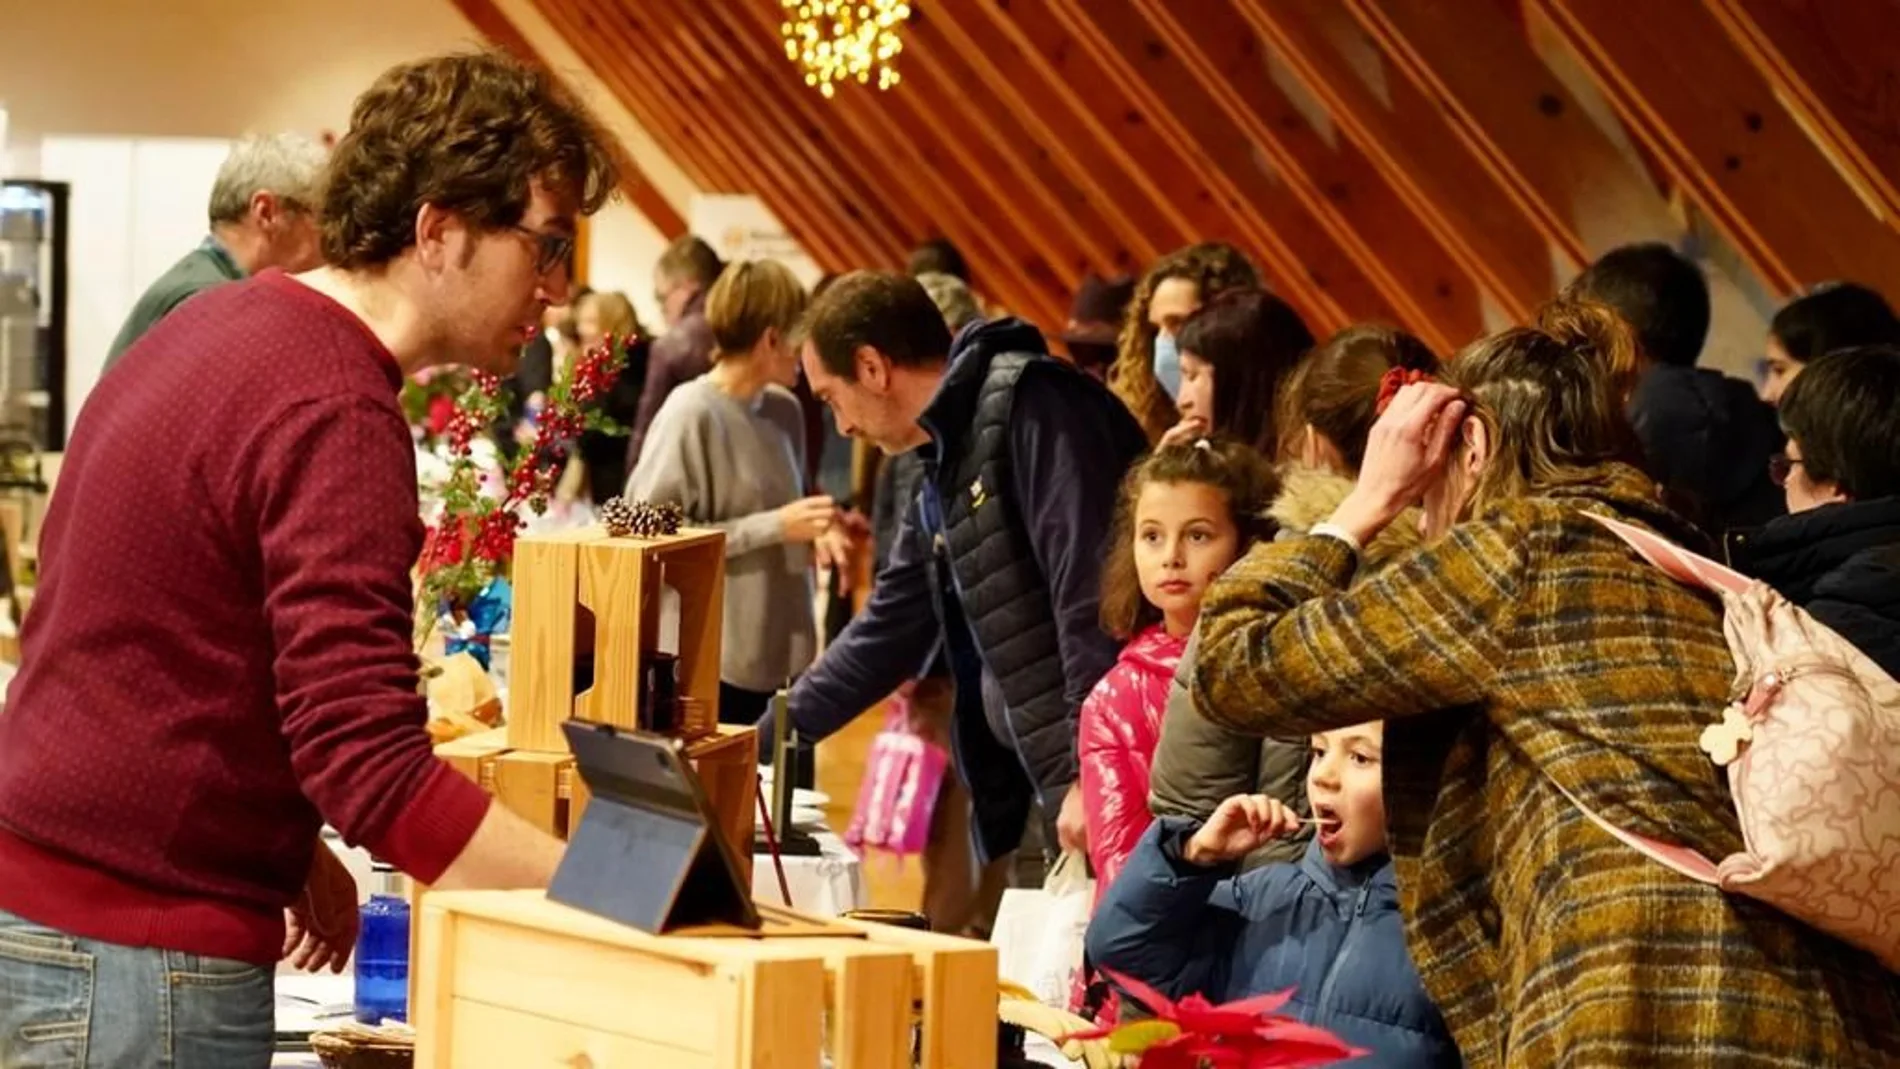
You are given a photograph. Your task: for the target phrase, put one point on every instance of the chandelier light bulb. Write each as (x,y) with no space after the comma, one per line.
(841,41)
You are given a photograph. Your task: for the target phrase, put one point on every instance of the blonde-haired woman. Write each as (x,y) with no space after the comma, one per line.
(1523,653)
(1147,371)
(729,447)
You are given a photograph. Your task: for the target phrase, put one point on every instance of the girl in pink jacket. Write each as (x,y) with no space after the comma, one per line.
(1187,511)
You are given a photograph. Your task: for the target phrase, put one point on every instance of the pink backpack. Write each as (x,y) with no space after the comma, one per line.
(1812,750)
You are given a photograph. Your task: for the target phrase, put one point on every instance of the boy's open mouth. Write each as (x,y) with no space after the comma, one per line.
(1328,823)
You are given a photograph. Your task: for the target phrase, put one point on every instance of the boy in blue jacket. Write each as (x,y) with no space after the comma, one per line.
(1180,920)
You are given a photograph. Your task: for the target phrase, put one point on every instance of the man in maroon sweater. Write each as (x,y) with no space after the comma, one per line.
(219,659)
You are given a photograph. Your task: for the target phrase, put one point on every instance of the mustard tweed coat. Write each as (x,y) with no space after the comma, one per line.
(1529,647)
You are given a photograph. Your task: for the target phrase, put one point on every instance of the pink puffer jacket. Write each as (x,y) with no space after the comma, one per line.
(1116,739)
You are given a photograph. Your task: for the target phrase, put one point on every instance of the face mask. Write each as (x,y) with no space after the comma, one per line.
(1167,364)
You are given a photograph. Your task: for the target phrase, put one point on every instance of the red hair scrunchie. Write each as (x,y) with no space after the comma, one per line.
(1395,380)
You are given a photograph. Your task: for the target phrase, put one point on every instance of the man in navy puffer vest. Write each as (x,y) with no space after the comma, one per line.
(998,556)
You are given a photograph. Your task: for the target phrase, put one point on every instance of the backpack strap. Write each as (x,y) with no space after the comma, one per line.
(1693,570)
(1680,564)
(1681,859)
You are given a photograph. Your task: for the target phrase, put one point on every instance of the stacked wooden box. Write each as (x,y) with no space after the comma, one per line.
(509,978)
(585,593)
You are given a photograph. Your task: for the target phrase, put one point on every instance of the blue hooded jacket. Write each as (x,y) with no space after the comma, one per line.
(1332,934)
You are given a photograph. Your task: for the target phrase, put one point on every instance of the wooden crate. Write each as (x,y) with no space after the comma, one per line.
(508,978)
(586,592)
(542,789)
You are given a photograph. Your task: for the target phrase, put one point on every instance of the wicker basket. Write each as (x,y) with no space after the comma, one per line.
(359,1047)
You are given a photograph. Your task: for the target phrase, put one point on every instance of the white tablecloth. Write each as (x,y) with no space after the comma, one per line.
(826,885)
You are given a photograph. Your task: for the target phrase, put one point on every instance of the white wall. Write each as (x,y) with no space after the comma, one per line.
(622,248)
(137,206)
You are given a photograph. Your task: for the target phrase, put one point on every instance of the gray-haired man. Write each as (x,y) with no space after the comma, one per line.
(263,214)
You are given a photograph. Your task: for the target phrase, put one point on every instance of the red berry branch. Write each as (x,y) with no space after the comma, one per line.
(472,541)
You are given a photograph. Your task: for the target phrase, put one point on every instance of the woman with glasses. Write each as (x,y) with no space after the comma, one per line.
(1837,552)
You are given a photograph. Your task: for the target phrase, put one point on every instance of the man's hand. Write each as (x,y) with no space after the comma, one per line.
(320,929)
(1242,824)
(1072,825)
(838,548)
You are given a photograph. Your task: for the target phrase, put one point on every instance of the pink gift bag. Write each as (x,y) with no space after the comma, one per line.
(902,775)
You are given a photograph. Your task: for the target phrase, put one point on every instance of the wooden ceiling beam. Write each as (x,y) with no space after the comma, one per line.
(761,97)
(1832,65)
(729,112)
(971,205)
(1407,141)
(606,41)
(692,159)
(1302,263)
(1717,127)
(1059,108)
(1518,118)
(1081,231)
(639,190)
(860,123)
(1433,295)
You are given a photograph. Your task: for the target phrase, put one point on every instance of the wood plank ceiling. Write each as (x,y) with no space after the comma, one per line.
(1442,166)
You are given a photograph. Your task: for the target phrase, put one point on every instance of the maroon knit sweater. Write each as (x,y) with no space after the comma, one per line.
(218,658)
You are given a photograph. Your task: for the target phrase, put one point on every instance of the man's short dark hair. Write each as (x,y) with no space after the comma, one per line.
(1843,411)
(1834,315)
(888,312)
(939,256)
(689,259)
(1658,292)
(467,132)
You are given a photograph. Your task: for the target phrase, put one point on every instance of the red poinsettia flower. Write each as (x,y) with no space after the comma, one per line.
(1196,1034)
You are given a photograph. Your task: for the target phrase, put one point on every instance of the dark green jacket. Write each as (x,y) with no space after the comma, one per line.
(206,266)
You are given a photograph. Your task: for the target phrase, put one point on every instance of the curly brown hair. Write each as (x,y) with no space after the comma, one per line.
(1242,476)
(467,132)
(1214,267)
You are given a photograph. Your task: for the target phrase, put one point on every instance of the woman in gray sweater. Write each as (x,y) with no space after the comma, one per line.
(729,447)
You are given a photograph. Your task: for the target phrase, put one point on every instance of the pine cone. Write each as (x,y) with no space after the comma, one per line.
(641,519)
(619,516)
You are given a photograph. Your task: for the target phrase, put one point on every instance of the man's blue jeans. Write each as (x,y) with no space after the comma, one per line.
(69,1003)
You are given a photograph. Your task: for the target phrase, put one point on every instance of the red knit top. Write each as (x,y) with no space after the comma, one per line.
(218,658)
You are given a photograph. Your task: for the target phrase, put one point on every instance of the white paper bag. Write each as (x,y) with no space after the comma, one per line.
(1039,932)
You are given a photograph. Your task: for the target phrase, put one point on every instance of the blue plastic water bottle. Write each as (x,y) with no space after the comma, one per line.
(382,954)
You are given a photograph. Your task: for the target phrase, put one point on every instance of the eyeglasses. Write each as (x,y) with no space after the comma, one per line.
(1780,466)
(551,250)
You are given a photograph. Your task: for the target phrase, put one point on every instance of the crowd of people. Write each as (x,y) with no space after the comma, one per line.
(1311,646)
(1374,663)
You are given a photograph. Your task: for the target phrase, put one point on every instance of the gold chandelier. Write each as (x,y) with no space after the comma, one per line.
(844,40)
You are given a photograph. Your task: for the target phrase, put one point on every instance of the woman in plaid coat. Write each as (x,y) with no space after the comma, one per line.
(1526,647)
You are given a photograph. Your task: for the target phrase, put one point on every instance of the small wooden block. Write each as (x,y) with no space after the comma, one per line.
(474,755)
(528,783)
(728,768)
